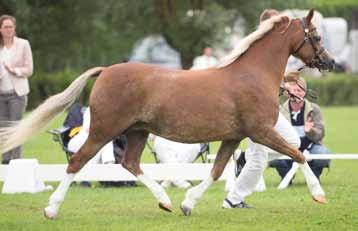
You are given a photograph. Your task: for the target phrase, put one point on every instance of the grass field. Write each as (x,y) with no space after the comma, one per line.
(135,208)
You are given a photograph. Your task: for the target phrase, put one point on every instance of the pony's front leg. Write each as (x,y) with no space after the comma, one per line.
(57,197)
(193,195)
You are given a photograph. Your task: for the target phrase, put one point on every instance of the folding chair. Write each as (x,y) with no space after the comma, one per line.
(61,135)
(203,153)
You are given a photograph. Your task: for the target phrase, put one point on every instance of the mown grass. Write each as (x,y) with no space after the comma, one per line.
(135,208)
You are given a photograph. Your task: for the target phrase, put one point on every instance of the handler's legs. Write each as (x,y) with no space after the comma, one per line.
(256,157)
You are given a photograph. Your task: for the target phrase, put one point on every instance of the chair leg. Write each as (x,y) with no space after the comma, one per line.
(286,180)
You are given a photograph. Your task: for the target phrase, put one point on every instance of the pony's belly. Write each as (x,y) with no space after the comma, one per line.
(196,134)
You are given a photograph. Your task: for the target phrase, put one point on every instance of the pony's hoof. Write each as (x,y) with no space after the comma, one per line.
(186,210)
(165,207)
(50,213)
(320,199)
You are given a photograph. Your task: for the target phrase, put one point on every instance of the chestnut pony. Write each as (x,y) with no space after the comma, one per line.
(235,100)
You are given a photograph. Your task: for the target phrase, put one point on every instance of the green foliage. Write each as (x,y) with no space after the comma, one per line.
(83,33)
(335,89)
(43,85)
(190,30)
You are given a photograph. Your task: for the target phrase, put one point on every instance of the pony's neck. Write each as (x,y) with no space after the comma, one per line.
(269,56)
(274,51)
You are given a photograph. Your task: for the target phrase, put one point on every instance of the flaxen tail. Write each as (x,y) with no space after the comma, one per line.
(19,132)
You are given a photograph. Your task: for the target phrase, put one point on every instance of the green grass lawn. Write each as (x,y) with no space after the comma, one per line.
(136,209)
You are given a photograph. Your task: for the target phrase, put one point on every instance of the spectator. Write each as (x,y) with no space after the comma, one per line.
(111,153)
(104,156)
(306,118)
(16,66)
(173,152)
(205,61)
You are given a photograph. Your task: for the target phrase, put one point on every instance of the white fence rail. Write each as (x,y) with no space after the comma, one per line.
(115,172)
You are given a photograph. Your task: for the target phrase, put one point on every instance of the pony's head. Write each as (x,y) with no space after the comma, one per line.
(308,47)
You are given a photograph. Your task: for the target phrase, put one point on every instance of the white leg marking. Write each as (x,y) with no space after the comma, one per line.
(57,197)
(311,180)
(195,193)
(156,189)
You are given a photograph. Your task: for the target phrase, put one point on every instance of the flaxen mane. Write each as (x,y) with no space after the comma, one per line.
(244,44)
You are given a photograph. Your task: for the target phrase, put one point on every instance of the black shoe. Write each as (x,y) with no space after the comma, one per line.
(229,205)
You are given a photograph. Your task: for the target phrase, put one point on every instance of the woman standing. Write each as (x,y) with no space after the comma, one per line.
(16,66)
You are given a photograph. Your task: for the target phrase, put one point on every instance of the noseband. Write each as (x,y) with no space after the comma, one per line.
(316,61)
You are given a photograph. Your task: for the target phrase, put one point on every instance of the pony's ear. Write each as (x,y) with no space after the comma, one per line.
(309,16)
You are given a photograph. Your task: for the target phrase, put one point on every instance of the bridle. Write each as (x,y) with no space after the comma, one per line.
(316,61)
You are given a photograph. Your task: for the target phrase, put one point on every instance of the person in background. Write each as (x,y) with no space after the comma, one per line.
(16,66)
(257,158)
(173,152)
(104,156)
(306,118)
(204,61)
(78,120)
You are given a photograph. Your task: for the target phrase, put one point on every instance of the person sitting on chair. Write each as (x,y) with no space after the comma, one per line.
(168,151)
(104,156)
(306,118)
(111,153)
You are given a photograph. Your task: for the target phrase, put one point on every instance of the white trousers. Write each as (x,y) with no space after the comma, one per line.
(104,156)
(173,152)
(256,161)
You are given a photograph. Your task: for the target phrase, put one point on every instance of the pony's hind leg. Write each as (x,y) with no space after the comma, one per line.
(193,195)
(131,160)
(273,140)
(78,160)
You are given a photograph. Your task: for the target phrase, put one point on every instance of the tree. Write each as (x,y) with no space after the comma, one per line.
(83,33)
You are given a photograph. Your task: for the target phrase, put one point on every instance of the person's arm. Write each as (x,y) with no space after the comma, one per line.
(26,69)
(314,128)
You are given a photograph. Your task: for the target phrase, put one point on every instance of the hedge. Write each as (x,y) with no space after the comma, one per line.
(332,89)
(335,89)
(43,85)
